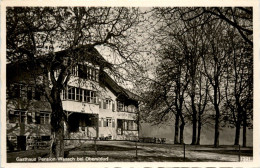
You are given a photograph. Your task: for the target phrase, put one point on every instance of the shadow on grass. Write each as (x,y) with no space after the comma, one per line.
(152,155)
(91,147)
(148,158)
(229,152)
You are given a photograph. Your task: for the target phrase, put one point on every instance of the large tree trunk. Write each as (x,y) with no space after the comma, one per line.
(244,128)
(216,139)
(176,136)
(193,107)
(199,130)
(182,129)
(194,121)
(237,134)
(57,125)
(238,119)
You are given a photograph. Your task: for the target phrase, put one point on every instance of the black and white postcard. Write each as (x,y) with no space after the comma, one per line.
(95,84)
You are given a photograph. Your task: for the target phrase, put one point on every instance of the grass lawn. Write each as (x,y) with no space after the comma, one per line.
(123,151)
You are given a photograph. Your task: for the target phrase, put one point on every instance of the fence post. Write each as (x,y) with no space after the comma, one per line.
(184,151)
(95,141)
(136,150)
(239,153)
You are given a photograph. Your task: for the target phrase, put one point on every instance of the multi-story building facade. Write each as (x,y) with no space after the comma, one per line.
(95,105)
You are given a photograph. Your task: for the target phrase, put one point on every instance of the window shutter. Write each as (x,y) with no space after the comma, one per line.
(104,123)
(100,103)
(123,122)
(117,103)
(104,104)
(126,125)
(97,75)
(113,123)
(135,125)
(99,123)
(113,106)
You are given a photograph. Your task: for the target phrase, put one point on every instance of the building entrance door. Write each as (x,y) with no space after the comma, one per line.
(21,142)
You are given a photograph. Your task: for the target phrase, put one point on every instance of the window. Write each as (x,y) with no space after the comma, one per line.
(64,94)
(131,108)
(125,125)
(46,138)
(37,118)
(79,94)
(90,96)
(87,96)
(120,106)
(71,93)
(127,108)
(29,118)
(19,90)
(107,122)
(42,118)
(87,72)
(90,73)
(108,103)
(17,116)
(83,95)
(82,72)
(130,125)
(120,126)
(38,94)
(57,73)
(30,93)
(14,116)
(23,91)
(75,70)
(93,97)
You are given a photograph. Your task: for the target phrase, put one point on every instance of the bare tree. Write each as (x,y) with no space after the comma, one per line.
(166,95)
(200,36)
(203,86)
(238,86)
(191,42)
(240,18)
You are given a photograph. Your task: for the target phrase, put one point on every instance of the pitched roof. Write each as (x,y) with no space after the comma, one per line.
(90,54)
(119,90)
